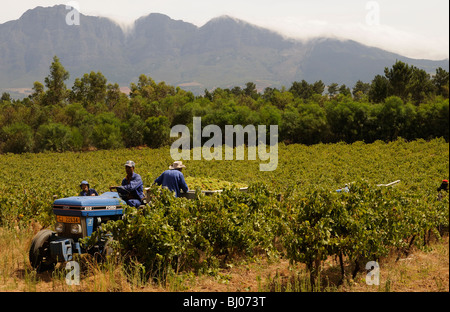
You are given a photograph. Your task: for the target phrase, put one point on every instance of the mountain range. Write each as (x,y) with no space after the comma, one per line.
(225,52)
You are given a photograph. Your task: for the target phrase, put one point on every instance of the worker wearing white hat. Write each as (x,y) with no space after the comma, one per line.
(173,179)
(132,188)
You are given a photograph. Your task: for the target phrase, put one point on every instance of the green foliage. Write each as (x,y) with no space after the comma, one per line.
(90,89)
(347,119)
(17,138)
(106,132)
(293,212)
(398,77)
(196,234)
(100,116)
(441,82)
(306,123)
(133,131)
(5,97)
(364,224)
(379,89)
(157,131)
(57,137)
(392,117)
(360,89)
(55,83)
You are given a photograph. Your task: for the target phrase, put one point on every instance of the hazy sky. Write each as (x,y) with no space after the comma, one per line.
(414,28)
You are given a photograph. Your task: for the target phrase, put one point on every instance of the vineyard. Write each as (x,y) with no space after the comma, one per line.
(293,213)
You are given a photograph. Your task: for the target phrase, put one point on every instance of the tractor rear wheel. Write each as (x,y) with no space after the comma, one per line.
(39,253)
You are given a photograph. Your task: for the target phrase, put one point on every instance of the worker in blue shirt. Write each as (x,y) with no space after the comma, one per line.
(173,179)
(132,188)
(86,191)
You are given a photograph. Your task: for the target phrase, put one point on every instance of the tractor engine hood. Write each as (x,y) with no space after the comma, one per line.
(108,200)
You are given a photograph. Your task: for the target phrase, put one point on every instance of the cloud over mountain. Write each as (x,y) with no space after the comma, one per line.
(224,52)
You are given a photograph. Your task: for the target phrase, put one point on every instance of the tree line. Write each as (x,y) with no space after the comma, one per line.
(405,102)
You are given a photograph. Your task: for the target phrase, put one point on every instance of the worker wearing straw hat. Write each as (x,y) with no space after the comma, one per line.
(173,179)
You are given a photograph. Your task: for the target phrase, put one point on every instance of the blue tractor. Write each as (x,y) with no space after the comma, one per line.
(76,217)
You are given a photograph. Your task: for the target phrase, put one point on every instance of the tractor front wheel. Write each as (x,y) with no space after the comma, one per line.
(39,254)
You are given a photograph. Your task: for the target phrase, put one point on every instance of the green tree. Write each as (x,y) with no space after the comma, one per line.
(360,90)
(106,132)
(290,124)
(344,90)
(57,137)
(269,115)
(55,82)
(157,131)
(347,120)
(301,89)
(306,124)
(332,89)
(318,87)
(133,131)
(76,114)
(282,98)
(312,126)
(250,90)
(420,85)
(17,138)
(6,97)
(163,90)
(441,82)
(208,95)
(399,77)
(145,87)
(38,93)
(391,118)
(89,90)
(268,93)
(441,124)
(148,89)
(237,91)
(113,95)
(432,119)
(379,89)
(118,103)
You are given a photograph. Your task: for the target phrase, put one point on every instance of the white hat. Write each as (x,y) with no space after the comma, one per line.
(177,165)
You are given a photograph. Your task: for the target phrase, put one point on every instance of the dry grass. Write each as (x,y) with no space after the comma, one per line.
(422,271)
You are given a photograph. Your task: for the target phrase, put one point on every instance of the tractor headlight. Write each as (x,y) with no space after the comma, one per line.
(59,227)
(75,229)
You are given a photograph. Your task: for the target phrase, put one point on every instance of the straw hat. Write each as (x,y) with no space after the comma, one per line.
(177,165)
